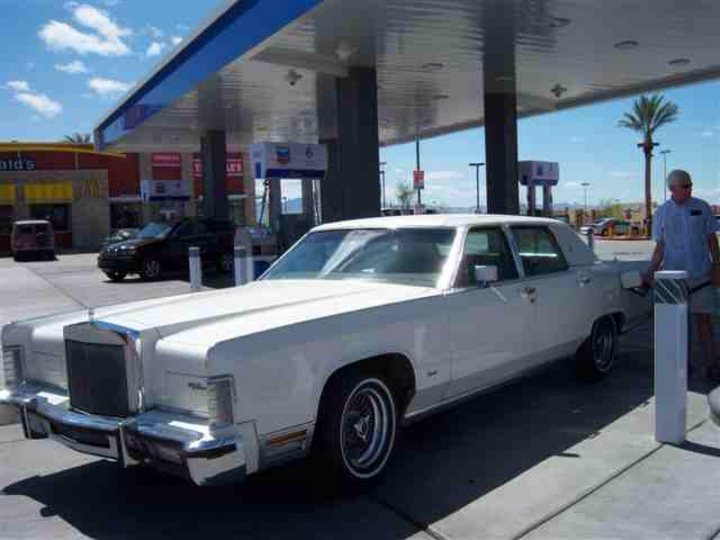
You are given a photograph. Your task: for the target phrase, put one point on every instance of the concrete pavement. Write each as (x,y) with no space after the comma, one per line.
(546,457)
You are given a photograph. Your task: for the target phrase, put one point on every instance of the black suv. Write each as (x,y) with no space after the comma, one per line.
(161,248)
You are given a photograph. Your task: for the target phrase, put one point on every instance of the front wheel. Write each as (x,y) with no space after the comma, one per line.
(356,429)
(596,356)
(116,276)
(150,269)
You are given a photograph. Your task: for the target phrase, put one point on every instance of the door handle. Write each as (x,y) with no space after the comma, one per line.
(529,293)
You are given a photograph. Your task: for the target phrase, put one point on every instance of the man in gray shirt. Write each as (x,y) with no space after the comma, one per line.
(684,231)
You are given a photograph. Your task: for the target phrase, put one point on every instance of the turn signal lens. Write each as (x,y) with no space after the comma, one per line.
(221,395)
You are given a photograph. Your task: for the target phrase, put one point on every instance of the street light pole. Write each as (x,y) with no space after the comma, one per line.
(665,153)
(382,182)
(417,167)
(585,186)
(477,184)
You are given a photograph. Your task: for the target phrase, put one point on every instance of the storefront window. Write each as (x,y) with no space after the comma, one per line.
(6,219)
(57,214)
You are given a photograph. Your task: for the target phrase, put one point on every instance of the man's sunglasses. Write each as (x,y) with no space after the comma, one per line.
(684,186)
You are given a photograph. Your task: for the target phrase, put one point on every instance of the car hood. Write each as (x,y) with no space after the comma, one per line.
(134,243)
(256,303)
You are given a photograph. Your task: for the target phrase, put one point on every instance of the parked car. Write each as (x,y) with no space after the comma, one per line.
(32,237)
(585,229)
(611,227)
(120,236)
(162,247)
(359,327)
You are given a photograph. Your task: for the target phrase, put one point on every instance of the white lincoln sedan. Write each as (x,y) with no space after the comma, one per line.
(360,326)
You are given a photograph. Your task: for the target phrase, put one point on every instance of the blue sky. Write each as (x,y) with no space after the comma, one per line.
(64,64)
(589,148)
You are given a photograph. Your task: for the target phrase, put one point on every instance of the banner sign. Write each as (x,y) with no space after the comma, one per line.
(287,160)
(233,165)
(165,190)
(166,160)
(16,164)
(418,179)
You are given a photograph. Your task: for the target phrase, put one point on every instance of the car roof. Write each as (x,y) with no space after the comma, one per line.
(436,220)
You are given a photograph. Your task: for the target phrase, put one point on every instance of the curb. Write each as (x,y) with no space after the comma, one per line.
(623,238)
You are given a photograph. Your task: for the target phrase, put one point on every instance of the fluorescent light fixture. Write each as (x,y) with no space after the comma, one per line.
(626,45)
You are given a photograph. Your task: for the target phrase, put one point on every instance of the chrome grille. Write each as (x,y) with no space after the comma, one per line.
(97,378)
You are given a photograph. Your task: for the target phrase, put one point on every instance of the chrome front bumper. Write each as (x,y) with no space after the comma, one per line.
(167,441)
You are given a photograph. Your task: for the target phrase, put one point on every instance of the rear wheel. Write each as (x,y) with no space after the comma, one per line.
(356,428)
(115,275)
(151,269)
(596,356)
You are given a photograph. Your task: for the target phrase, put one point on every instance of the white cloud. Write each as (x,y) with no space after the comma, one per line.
(444,176)
(73,68)
(707,133)
(572,185)
(106,38)
(108,87)
(40,103)
(175,40)
(622,174)
(18,86)
(577,139)
(155,32)
(182,27)
(110,3)
(154,49)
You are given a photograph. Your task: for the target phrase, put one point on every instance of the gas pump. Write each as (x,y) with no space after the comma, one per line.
(275,162)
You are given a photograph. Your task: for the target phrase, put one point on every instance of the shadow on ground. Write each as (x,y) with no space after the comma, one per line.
(441,465)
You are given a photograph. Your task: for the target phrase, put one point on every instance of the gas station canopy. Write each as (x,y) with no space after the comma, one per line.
(264,70)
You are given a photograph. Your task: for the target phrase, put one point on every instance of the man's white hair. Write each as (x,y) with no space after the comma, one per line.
(680,176)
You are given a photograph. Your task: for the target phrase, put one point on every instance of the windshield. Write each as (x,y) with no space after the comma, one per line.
(407,256)
(154,230)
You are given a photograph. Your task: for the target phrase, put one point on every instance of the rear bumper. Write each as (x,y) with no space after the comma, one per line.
(170,442)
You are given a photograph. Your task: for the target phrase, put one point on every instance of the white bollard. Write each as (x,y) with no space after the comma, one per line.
(671,355)
(240,268)
(195,269)
(591,240)
(249,267)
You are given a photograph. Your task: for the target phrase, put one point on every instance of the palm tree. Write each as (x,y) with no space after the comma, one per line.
(647,116)
(78,138)
(404,193)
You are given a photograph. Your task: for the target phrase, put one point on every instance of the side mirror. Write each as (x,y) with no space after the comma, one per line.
(631,280)
(485,274)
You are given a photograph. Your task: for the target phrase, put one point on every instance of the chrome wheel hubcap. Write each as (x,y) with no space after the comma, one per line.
(604,348)
(368,430)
